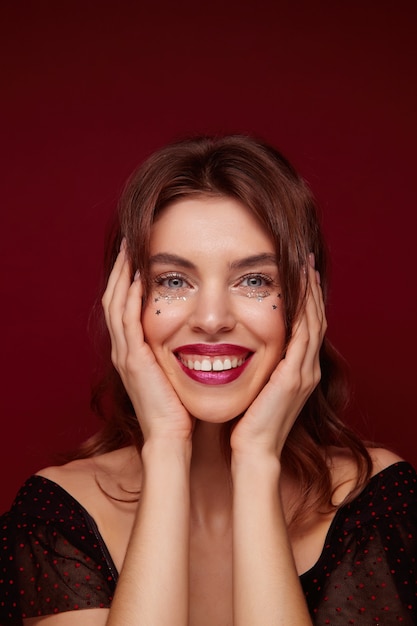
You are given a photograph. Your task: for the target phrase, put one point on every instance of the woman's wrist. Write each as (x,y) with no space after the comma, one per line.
(255,463)
(166,451)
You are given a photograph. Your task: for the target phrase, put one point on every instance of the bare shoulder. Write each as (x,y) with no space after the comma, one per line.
(342,461)
(344,470)
(85,479)
(108,488)
(382,458)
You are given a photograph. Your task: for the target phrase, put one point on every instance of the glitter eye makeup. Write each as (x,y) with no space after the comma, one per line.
(174,286)
(171,287)
(169,299)
(256,286)
(259,296)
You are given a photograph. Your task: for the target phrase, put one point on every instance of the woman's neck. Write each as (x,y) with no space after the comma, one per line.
(211,489)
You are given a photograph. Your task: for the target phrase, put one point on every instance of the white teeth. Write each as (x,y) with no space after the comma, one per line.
(217,365)
(205,365)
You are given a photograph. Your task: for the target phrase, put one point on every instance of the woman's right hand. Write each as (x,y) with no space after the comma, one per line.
(159,410)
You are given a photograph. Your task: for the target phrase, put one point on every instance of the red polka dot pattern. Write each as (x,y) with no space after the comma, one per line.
(53,559)
(367,572)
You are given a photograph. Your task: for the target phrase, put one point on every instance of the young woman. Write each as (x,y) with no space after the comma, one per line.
(224,489)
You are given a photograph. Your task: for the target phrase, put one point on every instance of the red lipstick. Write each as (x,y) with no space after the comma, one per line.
(212,349)
(214,367)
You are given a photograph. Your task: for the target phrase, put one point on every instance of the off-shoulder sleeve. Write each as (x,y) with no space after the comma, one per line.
(52,558)
(367,573)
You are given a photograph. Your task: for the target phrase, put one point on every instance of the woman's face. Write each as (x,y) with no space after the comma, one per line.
(214,316)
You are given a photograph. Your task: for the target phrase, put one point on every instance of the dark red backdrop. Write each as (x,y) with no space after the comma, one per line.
(90,88)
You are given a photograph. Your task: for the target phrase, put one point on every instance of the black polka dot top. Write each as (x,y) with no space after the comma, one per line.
(53,559)
(367,572)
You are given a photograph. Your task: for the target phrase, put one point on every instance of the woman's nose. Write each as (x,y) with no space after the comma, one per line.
(212,312)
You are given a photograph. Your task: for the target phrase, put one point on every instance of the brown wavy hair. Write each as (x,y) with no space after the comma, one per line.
(256,174)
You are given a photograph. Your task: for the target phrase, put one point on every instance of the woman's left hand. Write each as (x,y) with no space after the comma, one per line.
(267,422)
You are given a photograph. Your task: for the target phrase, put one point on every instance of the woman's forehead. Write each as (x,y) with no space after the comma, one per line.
(219,218)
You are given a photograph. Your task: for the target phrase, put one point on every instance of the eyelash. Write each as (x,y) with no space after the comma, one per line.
(159,281)
(259,291)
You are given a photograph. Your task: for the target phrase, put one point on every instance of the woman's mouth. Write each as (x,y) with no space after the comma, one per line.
(218,364)
(213,364)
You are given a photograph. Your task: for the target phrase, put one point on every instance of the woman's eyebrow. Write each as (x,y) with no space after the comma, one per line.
(165,258)
(265,258)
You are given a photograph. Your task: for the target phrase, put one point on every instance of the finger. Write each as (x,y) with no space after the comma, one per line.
(114,274)
(314,287)
(131,318)
(315,309)
(315,328)
(114,306)
(301,364)
(298,345)
(107,298)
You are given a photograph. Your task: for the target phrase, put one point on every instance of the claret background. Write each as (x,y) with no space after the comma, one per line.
(90,88)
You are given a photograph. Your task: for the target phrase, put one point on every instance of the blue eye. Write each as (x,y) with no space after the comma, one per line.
(171,282)
(174,282)
(254,281)
(255,285)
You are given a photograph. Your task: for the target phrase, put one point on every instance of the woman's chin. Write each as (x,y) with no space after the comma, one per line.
(214,415)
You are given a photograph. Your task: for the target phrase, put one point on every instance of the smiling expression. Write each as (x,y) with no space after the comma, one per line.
(214,316)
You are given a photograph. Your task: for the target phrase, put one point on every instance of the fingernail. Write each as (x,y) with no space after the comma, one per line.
(123,244)
(318,277)
(137,275)
(311,259)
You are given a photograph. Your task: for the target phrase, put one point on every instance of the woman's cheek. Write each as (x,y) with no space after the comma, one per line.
(162,316)
(268,311)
